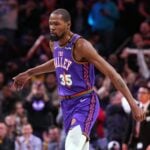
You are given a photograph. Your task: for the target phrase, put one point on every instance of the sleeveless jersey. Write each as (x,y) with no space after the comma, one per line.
(72,77)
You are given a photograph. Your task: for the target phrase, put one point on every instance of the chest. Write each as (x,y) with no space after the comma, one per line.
(63,58)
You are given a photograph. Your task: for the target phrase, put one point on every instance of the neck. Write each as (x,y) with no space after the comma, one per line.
(27,136)
(65,39)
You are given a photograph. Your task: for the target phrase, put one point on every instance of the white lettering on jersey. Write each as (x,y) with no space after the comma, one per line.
(62,62)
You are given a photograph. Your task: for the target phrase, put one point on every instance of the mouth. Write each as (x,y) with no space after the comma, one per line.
(52,33)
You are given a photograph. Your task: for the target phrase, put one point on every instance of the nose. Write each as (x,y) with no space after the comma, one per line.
(52,28)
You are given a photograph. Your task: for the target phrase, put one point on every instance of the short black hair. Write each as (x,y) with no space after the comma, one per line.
(144,85)
(65,14)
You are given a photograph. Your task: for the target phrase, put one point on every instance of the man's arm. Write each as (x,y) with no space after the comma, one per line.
(35,47)
(130,51)
(143,67)
(40,41)
(43,68)
(22,78)
(85,50)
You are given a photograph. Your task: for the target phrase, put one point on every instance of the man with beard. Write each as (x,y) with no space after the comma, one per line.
(74,61)
(5,142)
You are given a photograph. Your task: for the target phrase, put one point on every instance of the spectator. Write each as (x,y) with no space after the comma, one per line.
(39,48)
(9,18)
(145,33)
(103,86)
(38,108)
(144,9)
(59,120)
(138,54)
(104,90)
(137,133)
(98,135)
(102,18)
(20,117)
(54,133)
(116,119)
(53,138)
(51,87)
(11,124)
(28,140)
(9,98)
(144,127)
(5,142)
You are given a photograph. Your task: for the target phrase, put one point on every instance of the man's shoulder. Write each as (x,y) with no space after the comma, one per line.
(81,40)
(37,139)
(33,137)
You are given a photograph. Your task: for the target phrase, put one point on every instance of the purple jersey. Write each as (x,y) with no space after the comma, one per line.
(73,77)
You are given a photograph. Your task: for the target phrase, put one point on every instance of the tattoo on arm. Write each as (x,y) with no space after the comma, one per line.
(121,84)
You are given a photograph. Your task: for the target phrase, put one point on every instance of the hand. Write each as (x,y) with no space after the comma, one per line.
(20,80)
(125,53)
(138,113)
(46,137)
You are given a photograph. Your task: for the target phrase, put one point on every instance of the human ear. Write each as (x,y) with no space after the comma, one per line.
(68,25)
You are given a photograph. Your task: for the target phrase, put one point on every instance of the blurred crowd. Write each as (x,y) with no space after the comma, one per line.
(31,119)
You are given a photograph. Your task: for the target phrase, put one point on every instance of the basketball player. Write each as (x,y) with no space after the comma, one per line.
(73,60)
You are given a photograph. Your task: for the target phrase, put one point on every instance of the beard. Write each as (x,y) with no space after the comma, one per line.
(54,37)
